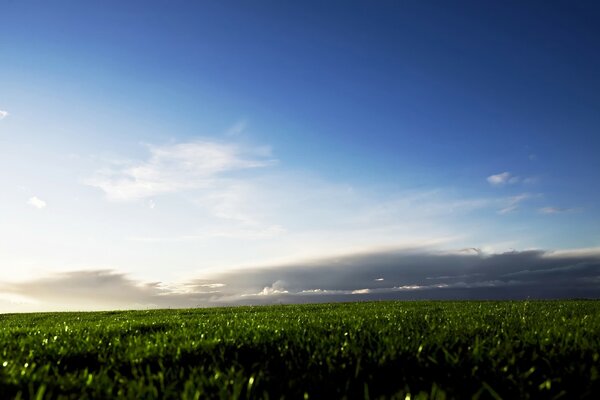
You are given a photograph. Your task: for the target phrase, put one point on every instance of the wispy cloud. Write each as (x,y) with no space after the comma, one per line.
(555,210)
(512,203)
(236,128)
(373,275)
(231,232)
(224,192)
(177,167)
(36,202)
(3,114)
(530,180)
(503,178)
(231,195)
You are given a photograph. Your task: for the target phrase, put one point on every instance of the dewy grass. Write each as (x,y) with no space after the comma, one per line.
(511,350)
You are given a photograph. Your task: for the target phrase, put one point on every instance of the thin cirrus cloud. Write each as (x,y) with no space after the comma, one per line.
(177,167)
(512,203)
(229,190)
(3,114)
(223,186)
(555,210)
(503,178)
(36,202)
(237,128)
(401,274)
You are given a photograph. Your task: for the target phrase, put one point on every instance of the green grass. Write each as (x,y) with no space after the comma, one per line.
(533,349)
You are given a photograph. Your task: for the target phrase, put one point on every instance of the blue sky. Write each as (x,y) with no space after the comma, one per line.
(170,140)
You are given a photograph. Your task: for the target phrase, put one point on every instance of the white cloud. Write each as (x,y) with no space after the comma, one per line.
(502,178)
(275,289)
(175,168)
(212,285)
(512,203)
(3,114)
(36,202)
(554,210)
(508,209)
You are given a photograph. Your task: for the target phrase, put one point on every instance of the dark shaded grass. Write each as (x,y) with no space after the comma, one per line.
(540,349)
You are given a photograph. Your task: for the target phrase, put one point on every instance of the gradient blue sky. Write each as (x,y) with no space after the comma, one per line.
(167,140)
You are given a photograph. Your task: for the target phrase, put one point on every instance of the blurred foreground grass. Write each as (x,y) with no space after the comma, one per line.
(467,349)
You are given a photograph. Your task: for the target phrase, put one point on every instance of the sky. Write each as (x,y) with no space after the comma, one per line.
(183,154)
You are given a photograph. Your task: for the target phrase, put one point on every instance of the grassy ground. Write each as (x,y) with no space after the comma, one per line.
(510,350)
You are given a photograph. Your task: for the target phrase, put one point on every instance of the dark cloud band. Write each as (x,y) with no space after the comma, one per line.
(379,275)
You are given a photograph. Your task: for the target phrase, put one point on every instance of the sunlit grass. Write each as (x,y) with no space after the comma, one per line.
(512,350)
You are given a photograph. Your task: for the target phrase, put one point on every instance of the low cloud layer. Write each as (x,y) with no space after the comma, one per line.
(467,274)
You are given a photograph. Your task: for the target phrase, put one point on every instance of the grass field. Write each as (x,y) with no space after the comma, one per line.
(521,349)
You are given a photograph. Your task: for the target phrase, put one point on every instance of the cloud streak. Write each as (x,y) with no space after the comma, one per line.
(513,202)
(3,114)
(177,167)
(555,210)
(367,276)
